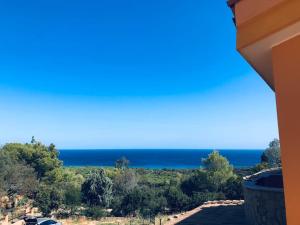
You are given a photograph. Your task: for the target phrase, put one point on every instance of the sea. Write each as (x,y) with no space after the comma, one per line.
(156,158)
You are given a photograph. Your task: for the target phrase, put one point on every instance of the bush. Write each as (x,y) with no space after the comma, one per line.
(116,205)
(143,201)
(233,189)
(95,212)
(177,200)
(48,198)
(259,167)
(197,182)
(125,182)
(23,202)
(72,198)
(63,214)
(198,198)
(97,189)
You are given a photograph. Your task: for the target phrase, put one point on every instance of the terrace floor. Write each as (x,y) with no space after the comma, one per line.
(212,214)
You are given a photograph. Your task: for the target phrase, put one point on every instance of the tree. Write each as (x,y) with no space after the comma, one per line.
(129,204)
(33,141)
(36,155)
(125,182)
(143,201)
(97,189)
(216,162)
(233,188)
(48,198)
(72,197)
(197,182)
(272,155)
(16,177)
(122,163)
(218,168)
(64,176)
(177,200)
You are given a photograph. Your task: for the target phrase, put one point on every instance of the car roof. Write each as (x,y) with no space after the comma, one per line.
(40,220)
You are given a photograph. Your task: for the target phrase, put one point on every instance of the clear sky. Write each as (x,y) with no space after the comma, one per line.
(128,74)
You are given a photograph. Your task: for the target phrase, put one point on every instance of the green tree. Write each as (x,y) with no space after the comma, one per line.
(177,200)
(64,176)
(48,198)
(218,168)
(97,189)
(216,162)
(33,141)
(16,177)
(197,182)
(125,182)
(72,197)
(122,163)
(233,188)
(143,201)
(272,155)
(36,155)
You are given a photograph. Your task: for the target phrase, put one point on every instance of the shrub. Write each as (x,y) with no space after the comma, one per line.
(125,182)
(63,214)
(197,182)
(233,189)
(259,167)
(95,212)
(72,198)
(143,201)
(97,189)
(198,198)
(177,200)
(48,198)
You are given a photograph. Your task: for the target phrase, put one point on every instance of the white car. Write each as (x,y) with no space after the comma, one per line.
(47,221)
(40,221)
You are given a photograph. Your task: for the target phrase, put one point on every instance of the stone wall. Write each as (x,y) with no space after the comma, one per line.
(263,205)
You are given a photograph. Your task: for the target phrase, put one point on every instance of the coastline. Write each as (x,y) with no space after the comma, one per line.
(179,159)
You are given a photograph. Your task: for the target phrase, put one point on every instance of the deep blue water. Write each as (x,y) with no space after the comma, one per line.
(156,159)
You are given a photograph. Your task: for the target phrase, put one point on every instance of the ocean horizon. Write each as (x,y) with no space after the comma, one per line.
(156,158)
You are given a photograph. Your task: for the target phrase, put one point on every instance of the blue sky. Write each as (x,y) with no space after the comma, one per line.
(129,74)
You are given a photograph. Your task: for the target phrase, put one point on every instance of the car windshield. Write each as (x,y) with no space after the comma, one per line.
(47,222)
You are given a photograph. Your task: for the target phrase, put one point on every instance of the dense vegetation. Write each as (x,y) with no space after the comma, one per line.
(34,170)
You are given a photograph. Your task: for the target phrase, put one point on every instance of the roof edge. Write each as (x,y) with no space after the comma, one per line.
(232,3)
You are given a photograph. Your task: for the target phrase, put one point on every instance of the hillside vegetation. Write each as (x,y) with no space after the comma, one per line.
(34,172)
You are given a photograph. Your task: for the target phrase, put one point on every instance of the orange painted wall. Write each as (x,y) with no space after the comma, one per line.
(286,70)
(247,9)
